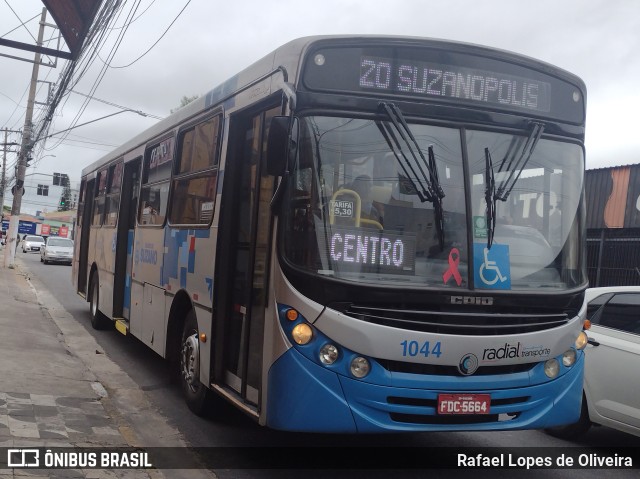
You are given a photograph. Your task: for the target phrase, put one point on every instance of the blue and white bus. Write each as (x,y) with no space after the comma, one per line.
(356,234)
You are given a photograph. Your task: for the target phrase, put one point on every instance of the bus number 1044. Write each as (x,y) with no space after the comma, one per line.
(415,348)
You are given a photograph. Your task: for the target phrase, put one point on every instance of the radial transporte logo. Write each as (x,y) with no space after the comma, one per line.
(468,364)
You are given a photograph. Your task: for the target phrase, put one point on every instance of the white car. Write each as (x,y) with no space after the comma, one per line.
(32,243)
(59,250)
(612,363)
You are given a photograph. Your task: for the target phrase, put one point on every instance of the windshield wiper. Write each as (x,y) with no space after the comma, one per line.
(431,188)
(426,184)
(506,185)
(489,197)
(437,202)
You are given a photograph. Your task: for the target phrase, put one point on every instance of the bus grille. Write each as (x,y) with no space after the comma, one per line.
(439,370)
(473,323)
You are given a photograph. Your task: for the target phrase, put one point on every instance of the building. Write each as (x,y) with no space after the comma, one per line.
(43,193)
(613,225)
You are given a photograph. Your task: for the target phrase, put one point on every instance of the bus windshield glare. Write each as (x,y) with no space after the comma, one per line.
(355,209)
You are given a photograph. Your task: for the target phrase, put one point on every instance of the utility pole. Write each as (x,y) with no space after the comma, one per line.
(25,151)
(3,185)
(4,173)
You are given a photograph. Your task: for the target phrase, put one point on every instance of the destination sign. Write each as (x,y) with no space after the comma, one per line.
(449,81)
(447,74)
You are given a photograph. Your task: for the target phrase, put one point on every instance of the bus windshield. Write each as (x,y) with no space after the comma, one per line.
(357,207)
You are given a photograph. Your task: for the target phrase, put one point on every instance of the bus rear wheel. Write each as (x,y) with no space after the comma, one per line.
(196,395)
(98,320)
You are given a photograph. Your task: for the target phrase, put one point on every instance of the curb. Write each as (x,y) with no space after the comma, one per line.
(137,420)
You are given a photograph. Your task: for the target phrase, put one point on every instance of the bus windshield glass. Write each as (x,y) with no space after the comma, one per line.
(355,208)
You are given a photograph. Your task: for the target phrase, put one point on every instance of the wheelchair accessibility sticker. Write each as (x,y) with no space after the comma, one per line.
(491,268)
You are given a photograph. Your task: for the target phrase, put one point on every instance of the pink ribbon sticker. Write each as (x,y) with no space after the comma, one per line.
(454,261)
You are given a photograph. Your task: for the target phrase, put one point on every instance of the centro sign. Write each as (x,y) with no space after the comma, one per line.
(376,251)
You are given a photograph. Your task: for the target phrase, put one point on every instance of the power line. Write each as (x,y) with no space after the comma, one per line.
(141,14)
(105,17)
(158,40)
(116,105)
(22,24)
(75,70)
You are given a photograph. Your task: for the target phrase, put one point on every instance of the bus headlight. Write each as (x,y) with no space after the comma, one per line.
(302,333)
(569,357)
(328,354)
(581,341)
(360,367)
(552,368)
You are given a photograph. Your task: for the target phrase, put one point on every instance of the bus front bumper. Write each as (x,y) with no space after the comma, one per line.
(304,396)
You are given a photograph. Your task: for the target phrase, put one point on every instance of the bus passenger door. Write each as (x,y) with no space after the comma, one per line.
(82,235)
(243,256)
(124,238)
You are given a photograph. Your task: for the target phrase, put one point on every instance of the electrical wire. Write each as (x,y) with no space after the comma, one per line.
(22,24)
(157,41)
(75,70)
(115,104)
(104,69)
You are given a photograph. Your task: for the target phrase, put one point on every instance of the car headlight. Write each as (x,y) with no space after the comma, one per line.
(581,341)
(360,367)
(569,357)
(328,354)
(302,333)
(552,368)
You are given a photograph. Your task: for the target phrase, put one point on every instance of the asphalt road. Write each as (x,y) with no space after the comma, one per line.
(227,427)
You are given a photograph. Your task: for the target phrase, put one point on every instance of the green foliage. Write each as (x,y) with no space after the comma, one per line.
(184,101)
(65,198)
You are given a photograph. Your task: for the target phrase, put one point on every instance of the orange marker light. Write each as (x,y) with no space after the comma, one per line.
(203,337)
(586,324)
(292,315)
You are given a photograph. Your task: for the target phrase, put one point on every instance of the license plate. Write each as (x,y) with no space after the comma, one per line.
(464,403)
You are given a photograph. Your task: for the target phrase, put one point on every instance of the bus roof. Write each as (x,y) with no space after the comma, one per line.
(288,58)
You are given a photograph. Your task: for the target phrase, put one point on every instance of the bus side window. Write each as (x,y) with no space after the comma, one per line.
(195,181)
(98,206)
(156,176)
(112,200)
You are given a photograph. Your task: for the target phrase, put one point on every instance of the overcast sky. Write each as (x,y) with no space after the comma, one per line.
(598,40)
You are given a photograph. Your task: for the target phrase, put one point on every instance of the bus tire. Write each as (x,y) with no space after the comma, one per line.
(196,395)
(98,320)
(575,430)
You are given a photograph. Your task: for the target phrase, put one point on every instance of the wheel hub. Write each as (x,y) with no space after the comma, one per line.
(190,360)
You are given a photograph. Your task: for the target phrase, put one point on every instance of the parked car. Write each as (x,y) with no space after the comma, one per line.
(612,363)
(58,250)
(32,243)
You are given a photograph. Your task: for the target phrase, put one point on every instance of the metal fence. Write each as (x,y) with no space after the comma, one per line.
(613,257)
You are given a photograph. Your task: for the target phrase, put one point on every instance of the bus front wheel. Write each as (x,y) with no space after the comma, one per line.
(195,393)
(575,430)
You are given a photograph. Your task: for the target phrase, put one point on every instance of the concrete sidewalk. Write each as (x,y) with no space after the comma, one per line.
(58,390)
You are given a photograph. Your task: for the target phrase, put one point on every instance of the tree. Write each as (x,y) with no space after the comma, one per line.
(65,197)
(184,101)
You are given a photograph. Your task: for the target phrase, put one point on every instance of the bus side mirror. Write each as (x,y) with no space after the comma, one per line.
(278,145)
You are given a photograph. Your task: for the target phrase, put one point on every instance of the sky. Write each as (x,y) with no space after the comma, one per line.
(209,41)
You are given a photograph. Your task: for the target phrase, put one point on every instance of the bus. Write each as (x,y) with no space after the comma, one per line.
(355,234)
